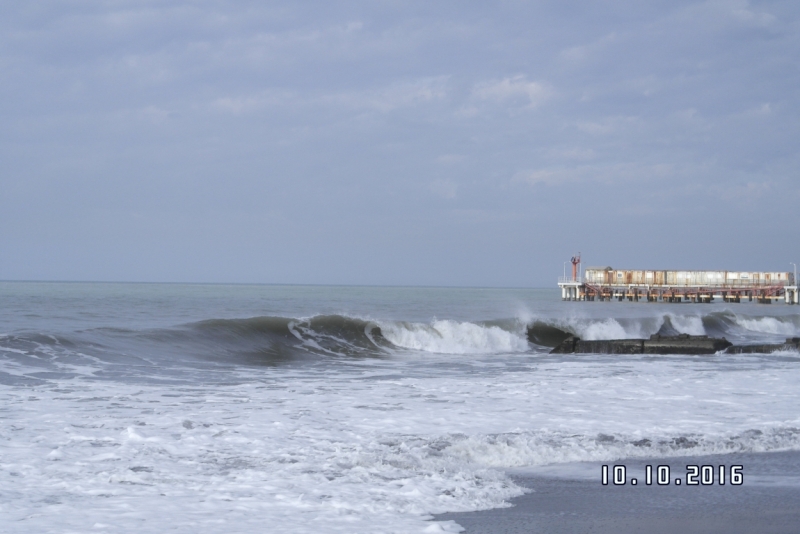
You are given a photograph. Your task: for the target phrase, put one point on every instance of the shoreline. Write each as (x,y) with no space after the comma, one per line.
(570,498)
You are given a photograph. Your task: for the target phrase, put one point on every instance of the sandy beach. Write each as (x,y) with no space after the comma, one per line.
(571,498)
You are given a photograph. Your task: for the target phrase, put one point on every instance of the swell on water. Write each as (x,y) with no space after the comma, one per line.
(272,340)
(338,335)
(259,341)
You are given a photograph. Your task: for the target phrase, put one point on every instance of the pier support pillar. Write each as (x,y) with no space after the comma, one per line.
(792,295)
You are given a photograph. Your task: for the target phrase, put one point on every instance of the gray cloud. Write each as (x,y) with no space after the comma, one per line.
(422,143)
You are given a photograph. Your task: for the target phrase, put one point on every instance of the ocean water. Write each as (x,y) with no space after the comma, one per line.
(233,408)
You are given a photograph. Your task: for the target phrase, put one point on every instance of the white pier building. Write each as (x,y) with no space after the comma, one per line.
(605,283)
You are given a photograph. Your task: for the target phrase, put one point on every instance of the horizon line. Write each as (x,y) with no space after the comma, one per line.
(431,286)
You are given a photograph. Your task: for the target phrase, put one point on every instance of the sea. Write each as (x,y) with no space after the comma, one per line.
(195,408)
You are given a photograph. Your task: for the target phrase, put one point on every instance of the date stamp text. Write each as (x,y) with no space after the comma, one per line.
(695,475)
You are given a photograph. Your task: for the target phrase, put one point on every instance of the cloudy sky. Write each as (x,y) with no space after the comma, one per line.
(396,142)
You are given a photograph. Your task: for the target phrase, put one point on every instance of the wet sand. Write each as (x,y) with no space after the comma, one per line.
(570,498)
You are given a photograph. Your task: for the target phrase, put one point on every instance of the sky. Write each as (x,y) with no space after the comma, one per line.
(452,143)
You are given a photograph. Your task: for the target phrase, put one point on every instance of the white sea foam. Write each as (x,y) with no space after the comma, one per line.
(375,446)
(635,328)
(537,448)
(453,337)
(767,325)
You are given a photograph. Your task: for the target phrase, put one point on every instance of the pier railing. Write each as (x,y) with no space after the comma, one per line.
(569,279)
(689,284)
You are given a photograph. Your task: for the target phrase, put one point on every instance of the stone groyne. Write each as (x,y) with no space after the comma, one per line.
(659,344)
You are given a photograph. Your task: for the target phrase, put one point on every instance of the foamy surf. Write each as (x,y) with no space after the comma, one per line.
(356,448)
(768,325)
(453,337)
(738,327)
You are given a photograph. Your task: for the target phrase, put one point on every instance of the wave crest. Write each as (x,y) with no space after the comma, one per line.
(541,448)
(735,327)
(453,337)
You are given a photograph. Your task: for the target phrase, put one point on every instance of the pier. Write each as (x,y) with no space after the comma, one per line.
(606,283)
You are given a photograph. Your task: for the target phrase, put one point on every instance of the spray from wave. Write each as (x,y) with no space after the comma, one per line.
(452,337)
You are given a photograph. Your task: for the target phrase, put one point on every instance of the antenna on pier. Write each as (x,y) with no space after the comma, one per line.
(576,260)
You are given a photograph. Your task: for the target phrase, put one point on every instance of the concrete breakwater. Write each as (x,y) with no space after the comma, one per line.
(791,343)
(658,344)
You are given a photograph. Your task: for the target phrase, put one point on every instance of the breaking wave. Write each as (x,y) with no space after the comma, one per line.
(452,337)
(337,335)
(540,448)
(270,341)
(259,341)
(735,327)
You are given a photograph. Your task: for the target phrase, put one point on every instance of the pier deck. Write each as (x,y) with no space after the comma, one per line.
(605,283)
